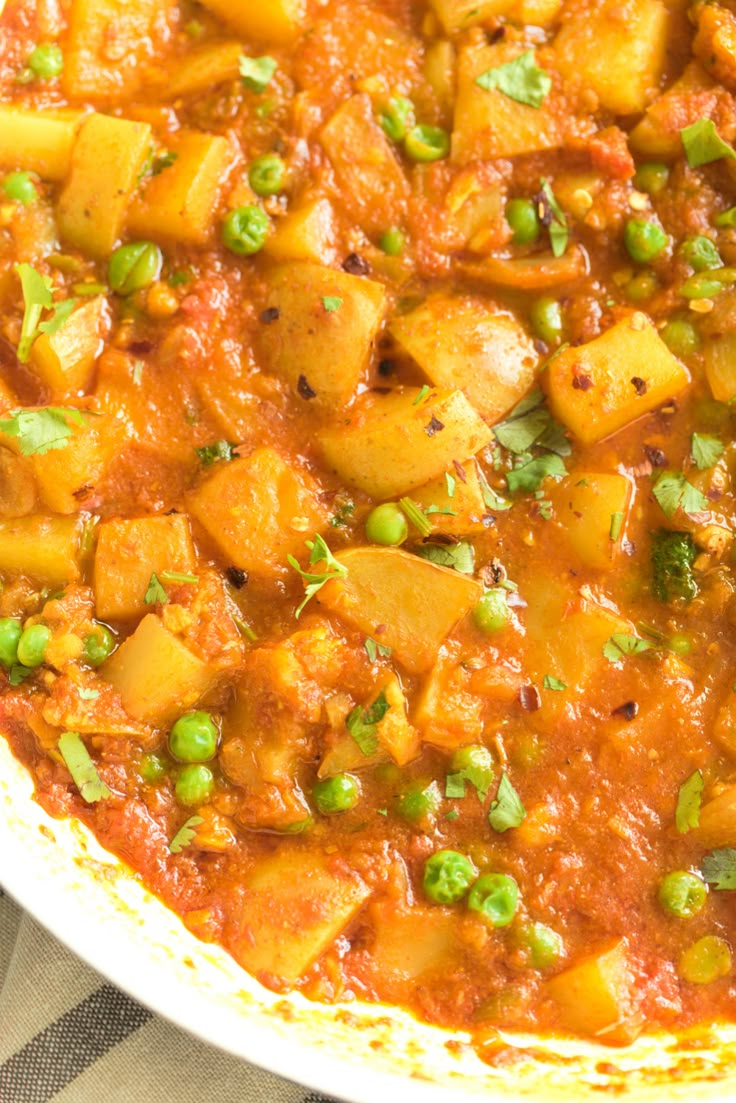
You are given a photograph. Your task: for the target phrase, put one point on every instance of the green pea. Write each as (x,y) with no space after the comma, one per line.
(46,61)
(419,801)
(152,768)
(99,645)
(701,286)
(392,242)
(700,253)
(495,897)
(644,240)
(523,220)
(680,643)
(681,337)
(641,287)
(426,143)
(546,318)
(194,785)
(706,960)
(682,894)
(20,187)
(447,876)
(544,945)
(194,737)
(475,762)
(11,631)
(336,794)
(726,219)
(298,827)
(396,118)
(266,174)
(387,524)
(651,177)
(32,645)
(134,266)
(492,612)
(244,231)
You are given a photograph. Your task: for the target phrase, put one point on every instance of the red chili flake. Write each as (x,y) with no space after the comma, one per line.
(83,491)
(639,385)
(386,367)
(655,456)
(236,577)
(356,265)
(714,494)
(140,348)
(460,471)
(271,315)
(628,710)
(304,389)
(434,426)
(530,698)
(582,382)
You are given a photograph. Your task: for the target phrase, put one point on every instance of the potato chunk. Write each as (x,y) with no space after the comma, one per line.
(38,141)
(455,502)
(258,510)
(295,905)
(417,602)
(392,443)
(275,21)
(323,336)
(599,387)
(65,360)
(462,343)
(108,41)
(717,825)
(44,549)
(693,96)
(204,69)
(157,676)
(307,233)
(129,552)
(595,996)
(67,476)
(592,508)
(458,15)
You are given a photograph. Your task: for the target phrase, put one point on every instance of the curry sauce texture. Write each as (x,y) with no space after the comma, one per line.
(368,487)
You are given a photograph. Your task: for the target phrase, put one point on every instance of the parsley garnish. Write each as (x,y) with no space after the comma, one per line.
(719,868)
(530,475)
(43,430)
(621,643)
(37,297)
(492,500)
(460,557)
(555,221)
(218,450)
(79,764)
(529,423)
(331,303)
(373,649)
(155,592)
(705,450)
(506,810)
(550,682)
(363,723)
(319,552)
(687,813)
(256,72)
(521,80)
(673,492)
(185,835)
(479,774)
(702,143)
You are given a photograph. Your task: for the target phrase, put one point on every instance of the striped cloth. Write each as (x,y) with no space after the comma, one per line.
(67,1035)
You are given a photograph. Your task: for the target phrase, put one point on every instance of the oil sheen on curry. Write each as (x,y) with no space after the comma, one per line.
(367,486)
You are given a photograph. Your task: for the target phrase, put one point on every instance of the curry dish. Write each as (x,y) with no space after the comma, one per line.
(367,486)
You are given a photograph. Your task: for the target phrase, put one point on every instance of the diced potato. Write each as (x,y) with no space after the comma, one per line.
(724,729)
(17,484)
(392,443)
(276,21)
(394,732)
(205,69)
(44,549)
(373,186)
(490,124)
(67,476)
(326,349)
(129,552)
(462,343)
(719,354)
(598,388)
(345,756)
(108,42)
(714,44)
(618,50)
(591,508)
(459,513)
(259,510)
(295,905)
(409,942)
(540,13)
(107,160)
(458,15)
(595,996)
(717,825)
(157,676)
(306,233)
(38,141)
(178,205)
(446,713)
(65,360)
(417,602)
(536,272)
(691,97)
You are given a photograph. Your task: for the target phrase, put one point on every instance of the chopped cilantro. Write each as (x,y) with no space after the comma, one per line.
(162,162)
(550,682)
(673,492)
(183,579)
(155,592)
(256,72)
(558,232)
(362,723)
(521,80)
(719,868)
(621,643)
(617,520)
(185,835)
(18,674)
(373,649)
(460,557)
(687,813)
(319,552)
(705,450)
(529,423)
(339,518)
(422,395)
(452,814)
(673,555)
(37,297)
(450,484)
(331,303)
(417,517)
(218,450)
(79,764)
(702,143)
(43,430)
(86,694)
(506,810)
(530,475)
(493,501)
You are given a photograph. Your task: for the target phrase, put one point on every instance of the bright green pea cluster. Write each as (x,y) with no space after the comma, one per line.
(523,220)
(418,802)
(266,174)
(651,177)
(46,61)
(19,186)
(194,737)
(448,876)
(681,337)
(546,317)
(99,645)
(134,266)
(492,612)
(682,894)
(495,897)
(392,242)
(387,524)
(194,785)
(336,794)
(396,118)
(644,240)
(425,143)
(245,230)
(700,253)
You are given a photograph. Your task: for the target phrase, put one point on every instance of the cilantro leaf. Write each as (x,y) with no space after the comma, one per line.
(702,143)
(460,557)
(185,835)
(550,682)
(521,80)
(719,868)
(177,576)
(530,422)
(673,492)
(450,484)
(43,430)
(492,501)
(506,810)
(218,450)
(416,516)
(331,303)
(86,694)
(621,643)
(455,786)
(256,72)
(373,649)
(18,674)
(362,723)
(478,770)
(319,552)
(687,813)
(530,475)
(705,450)
(79,764)
(155,592)
(37,297)
(558,232)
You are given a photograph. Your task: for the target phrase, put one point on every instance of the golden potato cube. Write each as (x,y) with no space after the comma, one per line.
(204,69)
(107,160)
(67,476)
(157,676)
(417,603)
(277,21)
(129,552)
(410,942)
(598,388)
(489,123)
(44,549)
(618,50)
(390,444)
(591,508)
(461,343)
(178,205)
(307,233)
(458,15)
(295,905)
(459,513)
(594,996)
(719,354)
(323,337)
(65,360)
(717,825)
(540,13)
(108,42)
(259,510)
(38,141)
(658,133)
